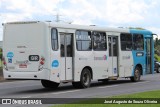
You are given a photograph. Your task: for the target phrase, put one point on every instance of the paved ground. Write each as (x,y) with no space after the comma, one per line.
(33,89)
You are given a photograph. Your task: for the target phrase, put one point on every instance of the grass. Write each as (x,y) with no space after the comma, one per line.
(148,94)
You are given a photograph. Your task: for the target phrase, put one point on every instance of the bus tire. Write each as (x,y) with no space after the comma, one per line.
(85,79)
(137,75)
(49,84)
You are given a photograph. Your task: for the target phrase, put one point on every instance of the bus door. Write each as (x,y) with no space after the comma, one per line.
(113,55)
(66,53)
(148,55)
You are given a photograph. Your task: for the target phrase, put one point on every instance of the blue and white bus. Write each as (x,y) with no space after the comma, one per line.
(58,53)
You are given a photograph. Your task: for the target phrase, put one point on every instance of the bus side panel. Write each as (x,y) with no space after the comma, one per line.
(55,63)
(100,70)
(55,66)
(139,60)
(126,63)
(82,59)
(125,59)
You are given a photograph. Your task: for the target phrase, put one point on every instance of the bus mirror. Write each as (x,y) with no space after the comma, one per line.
(156,39)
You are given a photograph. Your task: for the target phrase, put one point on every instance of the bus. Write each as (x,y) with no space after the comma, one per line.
(57,53)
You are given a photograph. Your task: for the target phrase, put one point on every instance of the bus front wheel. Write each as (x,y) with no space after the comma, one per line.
(85,79)
(137,75)
(49,84)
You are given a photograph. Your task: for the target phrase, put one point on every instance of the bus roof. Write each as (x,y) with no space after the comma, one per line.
(108,29)
(85,27)
(146,33)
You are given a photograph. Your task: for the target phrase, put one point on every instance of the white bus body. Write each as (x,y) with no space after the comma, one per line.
(29,53)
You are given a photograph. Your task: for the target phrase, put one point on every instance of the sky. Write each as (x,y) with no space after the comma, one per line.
(109,13)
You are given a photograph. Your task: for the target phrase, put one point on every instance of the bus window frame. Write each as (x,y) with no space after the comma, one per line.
(57,40)
(134,42)
(93,41)
(125,41)
(83,40)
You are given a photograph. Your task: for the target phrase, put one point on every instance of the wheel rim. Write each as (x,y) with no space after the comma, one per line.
(136,74)
(86,79)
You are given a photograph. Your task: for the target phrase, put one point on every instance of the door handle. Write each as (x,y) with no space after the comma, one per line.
(69,68)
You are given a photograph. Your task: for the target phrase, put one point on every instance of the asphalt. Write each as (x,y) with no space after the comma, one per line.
(33,89)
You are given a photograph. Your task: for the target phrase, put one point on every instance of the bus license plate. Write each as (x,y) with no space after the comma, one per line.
(22,65)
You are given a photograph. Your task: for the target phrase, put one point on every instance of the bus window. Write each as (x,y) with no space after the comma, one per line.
(54,39)
(99,41)
(115,47)
(126,42)
(110,43)
(83,40)
(138,42)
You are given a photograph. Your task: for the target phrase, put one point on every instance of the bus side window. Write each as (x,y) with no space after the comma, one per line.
(83,40)
(54,39)
(99,41)
(110,43)
(126,42)
(138,42)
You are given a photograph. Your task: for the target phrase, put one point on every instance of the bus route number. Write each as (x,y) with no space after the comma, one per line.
(33,58)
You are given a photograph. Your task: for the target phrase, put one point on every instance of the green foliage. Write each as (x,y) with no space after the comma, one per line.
(157,57)
(1,53)
(148,94)
(157,49)
(157,42)
(108,105)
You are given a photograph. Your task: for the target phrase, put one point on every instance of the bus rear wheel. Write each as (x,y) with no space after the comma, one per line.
(137,75)
(49,84)
(85,79)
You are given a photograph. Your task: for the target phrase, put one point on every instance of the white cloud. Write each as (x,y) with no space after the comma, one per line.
(110,12)
(155,30)
(48,6)
(16,17)
(124,11)
(80,11)
(29,8)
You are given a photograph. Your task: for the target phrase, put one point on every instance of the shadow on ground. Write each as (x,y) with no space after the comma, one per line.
(68,87)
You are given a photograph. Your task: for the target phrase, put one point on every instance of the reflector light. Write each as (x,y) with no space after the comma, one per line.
(41,63)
